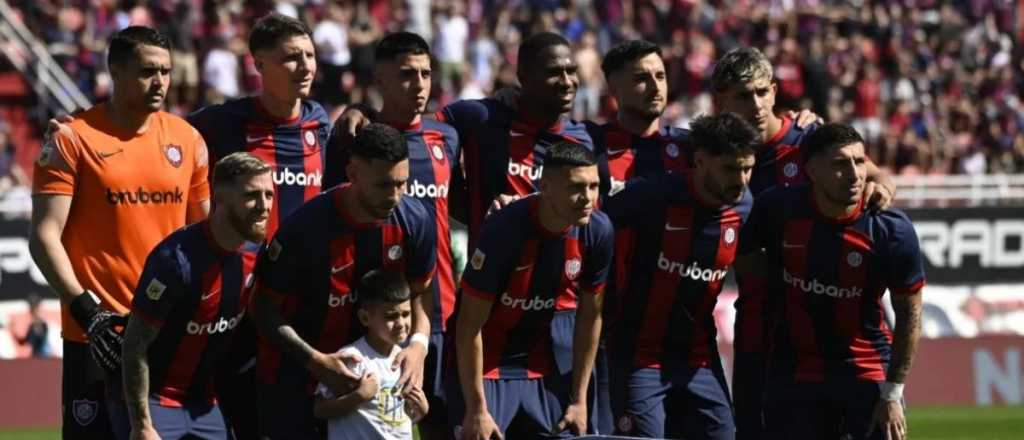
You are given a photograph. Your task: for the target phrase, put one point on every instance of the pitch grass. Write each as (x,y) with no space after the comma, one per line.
(926,423)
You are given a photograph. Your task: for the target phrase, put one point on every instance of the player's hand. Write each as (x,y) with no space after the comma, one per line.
(411,360)
(575,419)
(877,196)
(333,371)
(480,426)
(369,385)
(508,96)
(889,418)
(804,118)
(502,201)
(101,326)
(416,405)
(144,433)
(350,122)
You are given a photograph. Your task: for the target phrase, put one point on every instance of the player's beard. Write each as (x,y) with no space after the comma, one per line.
(646,111)
(248,226)
(377,211)
(724,196)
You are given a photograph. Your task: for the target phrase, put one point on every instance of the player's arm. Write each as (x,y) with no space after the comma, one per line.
(49,216)
(477,422)
(412,358)
(908,309)
(138,336)
(199,185)
(326,406)
(584,350)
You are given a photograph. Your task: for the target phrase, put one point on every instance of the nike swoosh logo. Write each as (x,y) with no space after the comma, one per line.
(524,267)
(616,152)
(514,134)
(209,295)
(669,227)
(341,268)
(106,155)
(791,246)
(253,140)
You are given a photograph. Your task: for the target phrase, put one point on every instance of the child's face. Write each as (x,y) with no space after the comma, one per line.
(388,322)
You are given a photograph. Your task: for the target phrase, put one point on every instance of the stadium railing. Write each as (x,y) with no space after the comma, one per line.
(959,190)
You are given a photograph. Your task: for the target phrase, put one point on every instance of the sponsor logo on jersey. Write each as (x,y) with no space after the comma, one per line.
(155,289)
(818,288)
(693,271)
(516,169)
(46,153)
(338,300)
(527,304)
(142,197)
(289,177)
(211,328)
(429,191)
(173,154)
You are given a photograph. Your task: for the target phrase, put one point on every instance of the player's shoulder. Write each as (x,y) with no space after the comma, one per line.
(312,111)
(779,194)
(229,111)
(445,129)
(174,249)
(600,224)
(894,222)
(674,134)
(577,131)
(177,129)
(316,212)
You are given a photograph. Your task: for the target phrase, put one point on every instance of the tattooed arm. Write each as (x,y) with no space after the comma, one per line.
(908,331)
(137,338)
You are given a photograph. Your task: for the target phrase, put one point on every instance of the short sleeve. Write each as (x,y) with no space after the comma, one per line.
(160,286)
(489,266)
(55,170)
(335,159)
(599,254)
(421,244)
(633,203)
(464,115)
(906,265)
(199,187)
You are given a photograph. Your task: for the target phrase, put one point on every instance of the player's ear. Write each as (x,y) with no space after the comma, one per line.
(700,158)
(364,316)
(352,169)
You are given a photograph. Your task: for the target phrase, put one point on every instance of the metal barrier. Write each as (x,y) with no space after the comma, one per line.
(959,190)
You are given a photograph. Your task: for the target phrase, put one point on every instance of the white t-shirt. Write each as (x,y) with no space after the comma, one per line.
(383,416)
(331,39)
(451,42)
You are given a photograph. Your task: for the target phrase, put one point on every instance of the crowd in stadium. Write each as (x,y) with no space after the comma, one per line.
(934,86)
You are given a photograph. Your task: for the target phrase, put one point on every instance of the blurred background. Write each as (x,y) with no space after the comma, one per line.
(935,87)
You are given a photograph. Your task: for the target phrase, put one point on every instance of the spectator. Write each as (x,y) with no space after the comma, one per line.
(333,56)
(220,73)
(37,334)
(450,46)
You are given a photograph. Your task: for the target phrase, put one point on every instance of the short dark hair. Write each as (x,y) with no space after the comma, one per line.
(739,66)
(383,286)
(123,43)
(724,133)
(832,135)
(272,28)
(237,164)
(531,48)
(380,141)
(625,53)
(568,154)
(400,43)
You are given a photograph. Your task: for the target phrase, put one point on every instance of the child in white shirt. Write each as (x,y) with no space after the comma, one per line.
(374,410)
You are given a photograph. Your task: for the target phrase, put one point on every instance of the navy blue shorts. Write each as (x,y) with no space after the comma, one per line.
(286,413)
(602,420)
(203,421)
(434,378)
(537,405)
(822,410)
(680,402)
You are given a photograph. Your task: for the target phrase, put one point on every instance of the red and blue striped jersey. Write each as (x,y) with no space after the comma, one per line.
(623,155)
(196,292)
(779,161)
(528,273)
(314,265)
(433,171)
(503,153)
(292,147)
(684,247)
(825,284)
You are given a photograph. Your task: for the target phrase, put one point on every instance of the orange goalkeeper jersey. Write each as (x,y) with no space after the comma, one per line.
(128,191)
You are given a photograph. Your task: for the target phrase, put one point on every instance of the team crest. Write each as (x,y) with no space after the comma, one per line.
(274,250)
(155,289)
(84,411)
(625,424)
(478,259)
(310,138)
(395,252)
(854,259)
(173,154)
(790,170)
(438,154)
(672,150)
(730,236)
(572,268)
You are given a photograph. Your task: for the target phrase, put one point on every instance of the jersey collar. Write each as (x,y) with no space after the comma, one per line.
(844,220)
(534,206)
(777,137)
(262,111)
